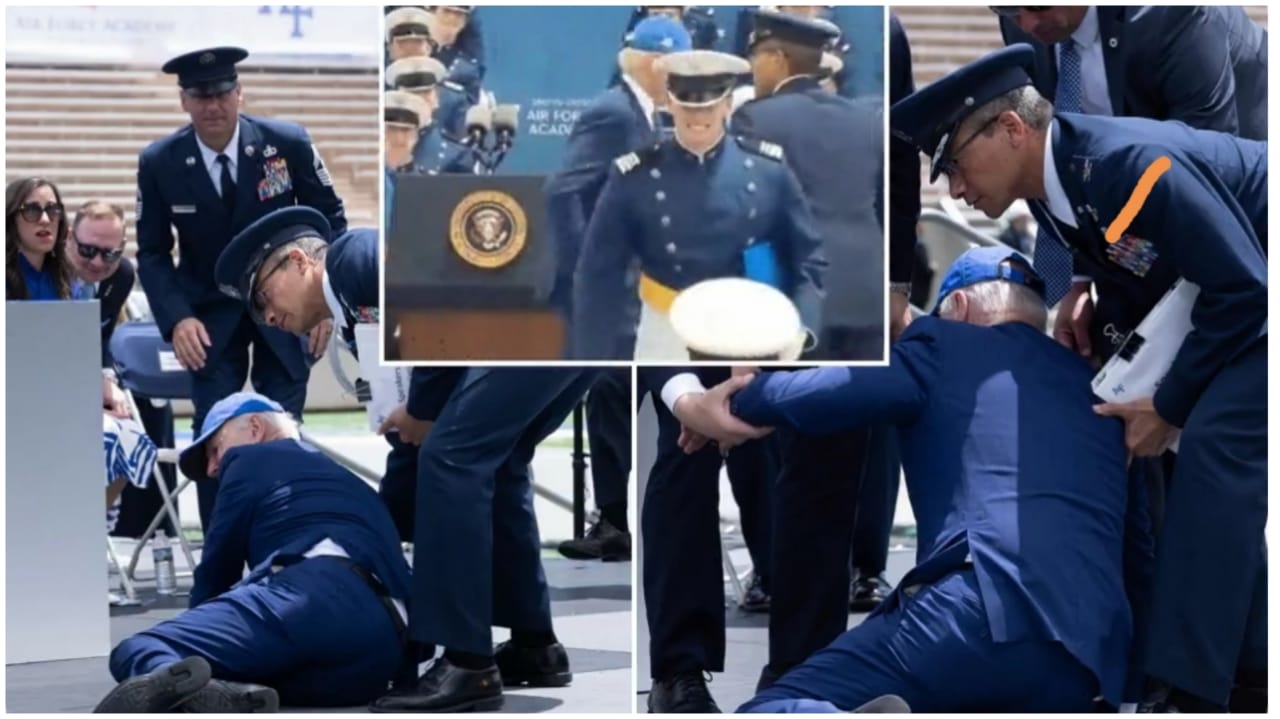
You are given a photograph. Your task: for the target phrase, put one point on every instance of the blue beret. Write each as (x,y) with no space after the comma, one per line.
(237,267)
(983,264)
(928,117)
(206,72)
(788,27)
(193,461)
(659,33)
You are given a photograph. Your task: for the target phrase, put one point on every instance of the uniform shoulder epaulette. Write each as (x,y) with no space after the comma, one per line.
(627,162)
(771,150)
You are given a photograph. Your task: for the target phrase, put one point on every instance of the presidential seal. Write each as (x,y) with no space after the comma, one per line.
(488,229)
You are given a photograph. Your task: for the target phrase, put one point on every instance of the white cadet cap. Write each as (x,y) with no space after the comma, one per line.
(737,319)
(699,78)
(416,73)
(405,108)
(409,22)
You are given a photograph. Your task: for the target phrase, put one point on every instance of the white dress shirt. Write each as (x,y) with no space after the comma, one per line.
(210,157)
(1094,98)
(1055,194)
(642,97)
(678,386)
(328,548)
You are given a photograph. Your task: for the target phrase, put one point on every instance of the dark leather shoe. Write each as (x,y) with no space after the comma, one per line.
(603,541)
(755,599)
(223,697)
(866,593)
(446,688)
(683,693)
(533,666)
(158,691)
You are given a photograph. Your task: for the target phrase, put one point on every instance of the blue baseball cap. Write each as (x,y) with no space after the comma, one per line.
(237,269)
(982,264)
(194,460)
(659,33)
(928,118)
(204,73)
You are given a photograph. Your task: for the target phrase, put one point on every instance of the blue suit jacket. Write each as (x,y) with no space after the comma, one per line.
(176,191)
(278,499)
(835,146)
(1205,219)
(904,164)
(351,264)
(1204,65)
(1006,464)
(611,126)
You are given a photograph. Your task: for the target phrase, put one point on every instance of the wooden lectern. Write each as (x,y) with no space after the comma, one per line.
(469,267)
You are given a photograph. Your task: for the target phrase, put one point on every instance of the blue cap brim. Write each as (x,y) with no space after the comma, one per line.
(193,461)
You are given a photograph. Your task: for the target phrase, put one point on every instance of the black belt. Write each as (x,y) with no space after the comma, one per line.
(402,632)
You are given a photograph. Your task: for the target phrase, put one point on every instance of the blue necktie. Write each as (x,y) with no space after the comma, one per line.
(1052,260)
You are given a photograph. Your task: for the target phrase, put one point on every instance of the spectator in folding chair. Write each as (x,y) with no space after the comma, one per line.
(130,457)
(321,614)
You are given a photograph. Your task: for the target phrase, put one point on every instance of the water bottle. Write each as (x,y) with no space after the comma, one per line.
(162,557)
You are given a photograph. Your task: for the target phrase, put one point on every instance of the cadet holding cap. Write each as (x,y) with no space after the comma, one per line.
(209,181)
(978,395)
(320,616)
(698,206)
(1202,217)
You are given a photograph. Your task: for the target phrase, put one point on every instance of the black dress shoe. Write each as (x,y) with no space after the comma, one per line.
(755,599)
(683,693)
(533,666)
(866,593)
(157,691)
(223,697)
(603,541)
(1162,699)
(446,688)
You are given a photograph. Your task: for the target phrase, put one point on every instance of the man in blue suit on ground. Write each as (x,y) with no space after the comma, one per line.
(1204,219)
(476,524)
(1018,599)
(321,615)
(210,180)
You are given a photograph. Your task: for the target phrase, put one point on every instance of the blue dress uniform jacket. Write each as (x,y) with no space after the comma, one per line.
(315,630)
(351,266)
(904,164)
(981,414)
(687,219)
(835,146)
(611,126)
(1204,65)
(1205,220)
(1207,216)
(435,154)
(175,192)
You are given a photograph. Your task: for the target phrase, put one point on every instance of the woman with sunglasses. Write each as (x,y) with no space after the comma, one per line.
(35,229)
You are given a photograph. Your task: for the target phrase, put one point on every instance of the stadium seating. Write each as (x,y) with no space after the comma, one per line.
(83,128)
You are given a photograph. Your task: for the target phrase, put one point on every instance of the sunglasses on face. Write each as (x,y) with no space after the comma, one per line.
(1012,11)
(32,211)
(89,252)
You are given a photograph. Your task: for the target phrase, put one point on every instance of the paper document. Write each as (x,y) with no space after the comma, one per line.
(1144,358)
(388,387)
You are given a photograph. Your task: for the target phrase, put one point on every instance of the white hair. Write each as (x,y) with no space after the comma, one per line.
(998,301)
(284,425)
(630,60)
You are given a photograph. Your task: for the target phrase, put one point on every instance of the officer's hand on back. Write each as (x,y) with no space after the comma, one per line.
(189,342)
(318,338)
(411,429)
(1075,314)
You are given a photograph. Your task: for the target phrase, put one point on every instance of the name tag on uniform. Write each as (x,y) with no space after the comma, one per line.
(184,209)
(276,180)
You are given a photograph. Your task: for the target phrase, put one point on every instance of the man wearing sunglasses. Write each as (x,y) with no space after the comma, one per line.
(700,205)
(1148,202)
(208,181)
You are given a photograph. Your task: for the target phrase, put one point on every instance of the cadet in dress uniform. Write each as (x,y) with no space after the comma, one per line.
(459,46)
(437,150)
(210,180)
(1205,220)
(680,518)
(409,33)
(320,616)
(701,205)
(997,615)
(475,523)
